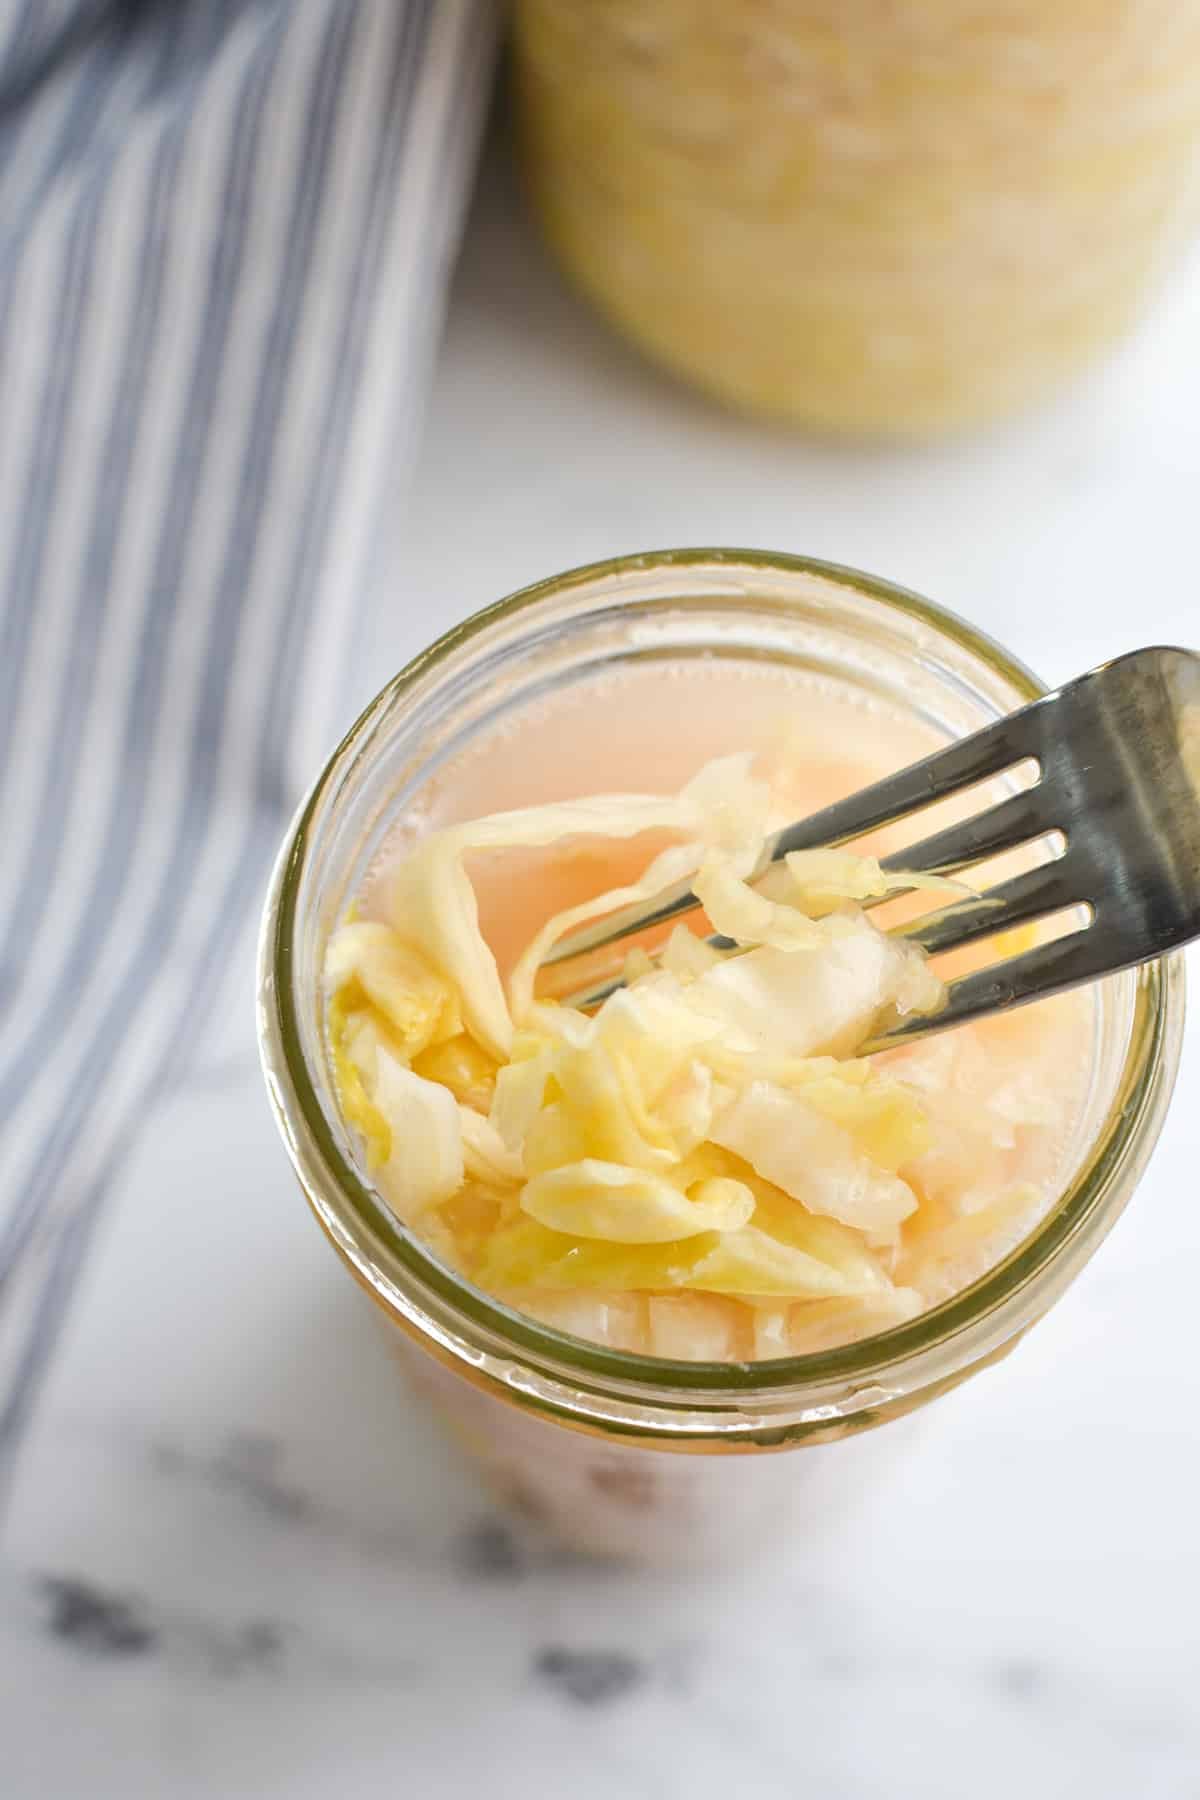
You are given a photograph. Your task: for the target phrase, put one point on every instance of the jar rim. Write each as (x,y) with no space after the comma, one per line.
(476,1332)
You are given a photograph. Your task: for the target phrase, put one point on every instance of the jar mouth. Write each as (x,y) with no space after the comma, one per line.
(562,1374)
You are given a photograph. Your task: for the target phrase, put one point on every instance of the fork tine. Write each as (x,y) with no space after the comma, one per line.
(1011,822)
(1033,895)
(670,904)
(1049,969)
(960,765)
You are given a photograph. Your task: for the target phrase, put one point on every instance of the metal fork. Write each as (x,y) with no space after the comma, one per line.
(1118,781)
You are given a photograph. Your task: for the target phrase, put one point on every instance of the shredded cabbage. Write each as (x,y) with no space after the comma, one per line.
(737,911)
(708,1138)
(595,1199)
(425,1160)
(821,1000)
(692,1327)
(799,1149)
(752,1262)
(486,1157)
(415,1004)
(463,1066)
(826,878)
(686,956)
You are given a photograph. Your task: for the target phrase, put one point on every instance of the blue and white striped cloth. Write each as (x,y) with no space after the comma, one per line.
(225,228)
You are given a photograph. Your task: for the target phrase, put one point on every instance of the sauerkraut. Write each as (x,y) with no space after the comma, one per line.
(879,216)
(704,1160)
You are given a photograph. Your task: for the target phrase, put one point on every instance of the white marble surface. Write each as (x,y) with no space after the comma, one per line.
(239,1563)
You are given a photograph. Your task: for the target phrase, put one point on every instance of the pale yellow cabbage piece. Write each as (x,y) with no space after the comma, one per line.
(732,806)
(616,1320)
(939,1258)
(771,1332)
(463,1066)
(804,1152)
(693,1328)
(685,956)
(738,911)
(354,1042)
(425,1160)
(686,1104)
(781,1217)
(749,1262)
(820,1000)
(470,1218)
(886,1119)
(623,1087)
(527,1254)
(825,878)
(824,1324)
(418,1005)
(599,1110)
(486,1157)
(594,1199)
(520,1088)
(745,1263)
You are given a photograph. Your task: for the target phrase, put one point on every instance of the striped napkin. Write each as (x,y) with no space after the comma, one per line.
(225,229)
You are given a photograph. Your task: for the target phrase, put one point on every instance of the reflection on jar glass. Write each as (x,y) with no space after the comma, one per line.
(627,1452)
(886,217)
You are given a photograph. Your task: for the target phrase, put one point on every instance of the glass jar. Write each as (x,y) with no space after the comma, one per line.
(888,217)
(626,1453)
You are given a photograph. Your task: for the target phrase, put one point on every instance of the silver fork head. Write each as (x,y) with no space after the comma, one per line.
(1118,779)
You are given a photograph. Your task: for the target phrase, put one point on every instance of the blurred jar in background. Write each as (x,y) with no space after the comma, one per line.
(886,217)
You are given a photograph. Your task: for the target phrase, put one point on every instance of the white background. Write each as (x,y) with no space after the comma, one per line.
(240,1563)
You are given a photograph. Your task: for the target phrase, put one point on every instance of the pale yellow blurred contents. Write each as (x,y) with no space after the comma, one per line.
(885,217)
